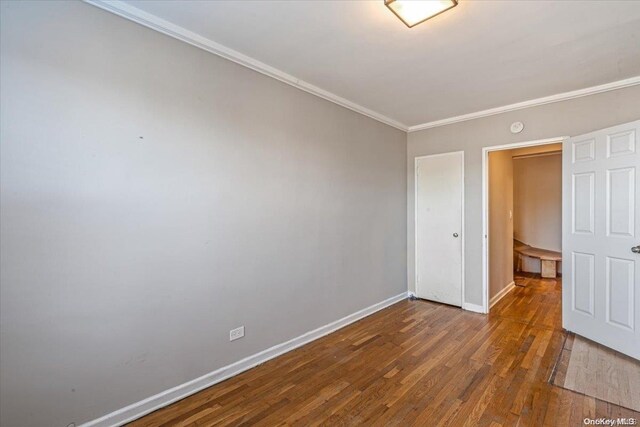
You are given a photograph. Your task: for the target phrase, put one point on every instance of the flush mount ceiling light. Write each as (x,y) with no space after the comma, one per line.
(413,12)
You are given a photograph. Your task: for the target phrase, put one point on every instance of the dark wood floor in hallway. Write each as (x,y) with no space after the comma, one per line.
(414,363)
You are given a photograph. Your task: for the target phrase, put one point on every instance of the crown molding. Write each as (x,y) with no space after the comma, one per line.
(531,103)
(149,20)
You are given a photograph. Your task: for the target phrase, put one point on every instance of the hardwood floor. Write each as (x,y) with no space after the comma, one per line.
(414,363)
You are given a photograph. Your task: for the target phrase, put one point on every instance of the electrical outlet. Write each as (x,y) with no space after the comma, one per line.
(236,333)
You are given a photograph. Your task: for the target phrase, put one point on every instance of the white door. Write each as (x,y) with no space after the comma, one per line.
(439,204)
(601,218)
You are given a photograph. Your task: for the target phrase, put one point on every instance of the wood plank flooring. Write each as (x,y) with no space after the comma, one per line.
(414,363)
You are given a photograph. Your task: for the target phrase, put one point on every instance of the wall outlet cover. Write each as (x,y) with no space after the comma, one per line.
(236,333)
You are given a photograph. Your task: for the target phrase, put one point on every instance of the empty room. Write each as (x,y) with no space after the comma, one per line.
(319,213)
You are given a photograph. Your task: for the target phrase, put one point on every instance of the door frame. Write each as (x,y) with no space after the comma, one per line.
(415,219)
(485,204)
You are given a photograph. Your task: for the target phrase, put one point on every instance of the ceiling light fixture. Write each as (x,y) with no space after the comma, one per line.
(413,12)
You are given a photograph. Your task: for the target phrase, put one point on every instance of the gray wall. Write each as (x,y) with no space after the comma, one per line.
(154,196)
(500,221)
(538,201)
(573,117)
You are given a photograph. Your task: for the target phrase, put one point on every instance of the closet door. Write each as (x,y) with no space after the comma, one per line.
(439,204)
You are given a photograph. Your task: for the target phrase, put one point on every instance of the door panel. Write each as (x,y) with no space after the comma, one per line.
(439,202)
(620,209)
(601,300)
(583,203)
(584,275)
(620,292)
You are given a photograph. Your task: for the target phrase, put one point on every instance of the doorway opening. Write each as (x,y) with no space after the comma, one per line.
(522,215)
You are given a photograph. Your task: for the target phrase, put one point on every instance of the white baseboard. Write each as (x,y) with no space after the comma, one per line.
(497,297)
(167,397)
(473,307)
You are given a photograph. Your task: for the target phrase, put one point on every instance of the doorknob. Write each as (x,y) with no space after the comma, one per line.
(636,249)
(456,235)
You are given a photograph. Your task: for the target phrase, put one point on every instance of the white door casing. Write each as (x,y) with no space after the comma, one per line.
(439,217)
(601,221)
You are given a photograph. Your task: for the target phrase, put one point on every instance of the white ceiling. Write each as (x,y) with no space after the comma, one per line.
(477,56)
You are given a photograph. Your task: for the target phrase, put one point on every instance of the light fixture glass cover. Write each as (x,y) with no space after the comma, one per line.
(413,12)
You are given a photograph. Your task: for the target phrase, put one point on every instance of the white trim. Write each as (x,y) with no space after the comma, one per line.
(530,103)
(415,220)
(473,307)
(149,20)
(162,399)
(497,297)
(485,204)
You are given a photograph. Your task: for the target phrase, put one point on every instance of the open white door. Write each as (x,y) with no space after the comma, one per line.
(601,218)
(439,209)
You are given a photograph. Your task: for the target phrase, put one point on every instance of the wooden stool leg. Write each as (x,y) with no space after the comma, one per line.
(548,268)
